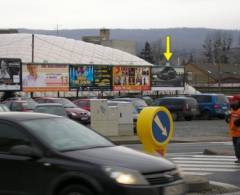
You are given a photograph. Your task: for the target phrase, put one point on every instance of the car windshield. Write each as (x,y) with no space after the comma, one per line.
(29,105)
(139,103)
(66,103)
(222,99)
(64,134)
(57,110)
(4,108)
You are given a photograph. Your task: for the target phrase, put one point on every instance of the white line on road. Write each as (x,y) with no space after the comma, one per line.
(203,162)
(196,173)
(203,159)
(212,165)
(214,156)
(208,169)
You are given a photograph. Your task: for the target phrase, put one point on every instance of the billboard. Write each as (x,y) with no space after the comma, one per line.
(90,78)
(43,78)
(167,77)
(10,74)
(103,77)
(131,78)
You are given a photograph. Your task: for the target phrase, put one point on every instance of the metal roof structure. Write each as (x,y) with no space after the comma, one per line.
(53,49)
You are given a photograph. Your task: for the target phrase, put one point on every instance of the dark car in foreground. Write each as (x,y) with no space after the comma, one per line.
(44,154)
(72,110)
(212,105)
(180,107)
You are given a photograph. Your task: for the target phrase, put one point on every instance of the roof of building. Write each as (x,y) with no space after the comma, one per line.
(53,49)
(227,71)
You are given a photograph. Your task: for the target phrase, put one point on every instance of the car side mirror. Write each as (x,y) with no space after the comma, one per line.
(24,150)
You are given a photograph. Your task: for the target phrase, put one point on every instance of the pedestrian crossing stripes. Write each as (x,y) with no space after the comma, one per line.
(197,164)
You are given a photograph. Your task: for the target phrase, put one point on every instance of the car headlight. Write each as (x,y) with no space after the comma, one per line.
(73,113)
(125,176)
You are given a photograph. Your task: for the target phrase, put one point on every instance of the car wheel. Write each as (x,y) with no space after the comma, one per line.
(75,190)
(188,118)
(175,116)
(206,115)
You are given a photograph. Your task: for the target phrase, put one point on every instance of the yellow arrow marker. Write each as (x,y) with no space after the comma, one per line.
(160,125)
(168,53)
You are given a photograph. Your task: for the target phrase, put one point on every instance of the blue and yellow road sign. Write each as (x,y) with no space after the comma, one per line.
(155,129)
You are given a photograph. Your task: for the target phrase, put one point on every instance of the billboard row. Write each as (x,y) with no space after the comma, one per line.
(10,74)
(90,78)
(131,78)
(42,78)
(49,77)
(167,77)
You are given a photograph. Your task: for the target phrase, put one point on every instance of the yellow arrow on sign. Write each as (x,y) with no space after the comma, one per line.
(168,53)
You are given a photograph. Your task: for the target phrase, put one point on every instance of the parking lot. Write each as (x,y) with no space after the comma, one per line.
(201,128)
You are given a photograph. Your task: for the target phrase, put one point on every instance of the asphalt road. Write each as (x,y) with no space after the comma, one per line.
(200,128)
(190,155)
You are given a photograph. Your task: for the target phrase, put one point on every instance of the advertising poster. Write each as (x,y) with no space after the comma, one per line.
(131,78)
(103,77)
(167,77)
(44,78)
(10,72)
(81,76)
(90,78)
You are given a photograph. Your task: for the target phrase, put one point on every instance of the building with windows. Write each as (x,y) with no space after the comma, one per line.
(104,39)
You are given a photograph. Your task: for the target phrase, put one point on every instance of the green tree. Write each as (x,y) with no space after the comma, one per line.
(147,53)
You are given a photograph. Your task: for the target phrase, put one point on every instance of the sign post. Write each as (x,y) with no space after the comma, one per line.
(155,129)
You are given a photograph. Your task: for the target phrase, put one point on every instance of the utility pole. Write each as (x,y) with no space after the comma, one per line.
(31,93)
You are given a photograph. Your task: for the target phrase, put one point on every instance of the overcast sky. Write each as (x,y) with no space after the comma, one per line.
(69,14)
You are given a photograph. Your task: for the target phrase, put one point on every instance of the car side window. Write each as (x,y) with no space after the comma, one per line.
(16,106)
(11,136)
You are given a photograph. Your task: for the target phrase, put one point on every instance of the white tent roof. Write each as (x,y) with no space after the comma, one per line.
(52,49)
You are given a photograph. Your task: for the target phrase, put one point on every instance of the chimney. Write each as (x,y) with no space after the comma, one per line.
(104,34)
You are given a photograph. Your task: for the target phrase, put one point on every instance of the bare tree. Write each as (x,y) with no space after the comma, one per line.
(217,46)
(157,51)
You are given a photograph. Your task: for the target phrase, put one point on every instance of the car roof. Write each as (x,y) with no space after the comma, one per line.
(179,97)
(212,94)
(129,99)
(47,98)
(85,99)
(49,104)
(22,116)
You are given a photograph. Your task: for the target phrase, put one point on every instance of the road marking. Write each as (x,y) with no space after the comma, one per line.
(207,169)
(204,162)
(214,156)
(196,164)
(210,159)
(196,173)
(212,165)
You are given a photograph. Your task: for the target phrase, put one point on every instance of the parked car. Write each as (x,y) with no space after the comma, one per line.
(138,103)
(233,98)
(4,108)
(180,107)
(72,110)
(83,103)
(212,105)
(51,108)
(20,105)
(52,155)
